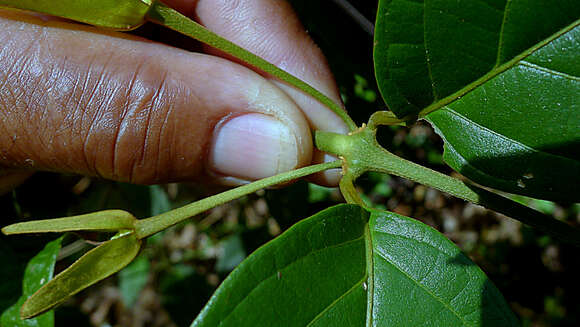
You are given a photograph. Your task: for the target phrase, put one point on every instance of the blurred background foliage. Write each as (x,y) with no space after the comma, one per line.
(180,268)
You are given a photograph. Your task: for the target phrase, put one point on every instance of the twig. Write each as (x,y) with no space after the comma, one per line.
(361,20)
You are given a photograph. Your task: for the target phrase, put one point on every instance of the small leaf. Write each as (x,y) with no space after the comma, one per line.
(38,272)
(116,14)
(107,220)
(96,265)
(338,268)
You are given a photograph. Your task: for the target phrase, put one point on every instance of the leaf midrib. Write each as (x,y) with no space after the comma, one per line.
(370,274)
(284,267)
(525,146)
(495,71)
(342,296)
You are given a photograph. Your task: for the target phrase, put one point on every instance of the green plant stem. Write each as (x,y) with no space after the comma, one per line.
(349,191)
(384,118)
(163,15)
(149,226)
(363,153)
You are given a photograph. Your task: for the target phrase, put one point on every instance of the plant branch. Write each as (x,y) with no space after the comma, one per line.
(163,15)
(361,20)
(349,191)
(149,226)
(363,153)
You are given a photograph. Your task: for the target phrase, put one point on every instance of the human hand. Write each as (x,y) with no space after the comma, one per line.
(80,100)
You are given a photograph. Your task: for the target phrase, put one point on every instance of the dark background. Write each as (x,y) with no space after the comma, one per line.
(181,267)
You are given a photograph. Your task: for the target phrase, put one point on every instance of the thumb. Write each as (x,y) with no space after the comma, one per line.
(77,100)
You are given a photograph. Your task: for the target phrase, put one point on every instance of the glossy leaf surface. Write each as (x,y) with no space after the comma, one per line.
(499,81)
(305,275)
(96,265)
(421,278)
(38,272)
(346,266)
(520,131)
(429,52)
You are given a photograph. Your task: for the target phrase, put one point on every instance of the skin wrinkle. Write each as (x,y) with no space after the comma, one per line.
(118,115)
(126,111)
(118,133)
(71,103)
(86,89)
(165,145)
(140,158)
(163,130)
(44,110)
(79,112)
(17,71)
(107,131)
(70,122)
(94,119)
(151,104)
(70,116)
(178,125)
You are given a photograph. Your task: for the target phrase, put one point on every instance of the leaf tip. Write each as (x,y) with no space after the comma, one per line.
(9,230)
(28,310)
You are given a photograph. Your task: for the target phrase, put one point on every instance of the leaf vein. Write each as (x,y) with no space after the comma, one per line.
(328,307)
(502,33)
(438,104)
(516,142)
(427,57)
(428,291)
(284,267)
(415,240)
(550,71)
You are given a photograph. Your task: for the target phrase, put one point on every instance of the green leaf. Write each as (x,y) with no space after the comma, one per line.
(116,14)
(297,276)
(520,131)
(346,266)
(505,76)
(429,53)
(106,220)
(38,272)
(413,263)
(96,265)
